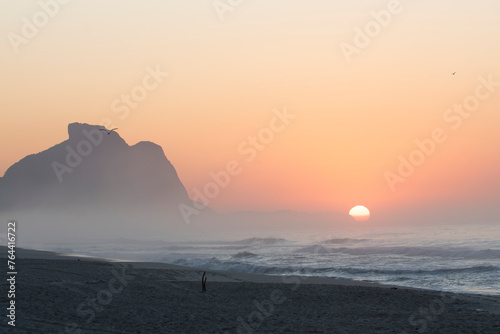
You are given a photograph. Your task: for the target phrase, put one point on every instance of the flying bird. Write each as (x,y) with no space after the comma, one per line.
(108,131)
(454,73)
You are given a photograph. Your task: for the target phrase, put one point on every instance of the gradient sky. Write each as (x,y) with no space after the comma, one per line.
(352,120)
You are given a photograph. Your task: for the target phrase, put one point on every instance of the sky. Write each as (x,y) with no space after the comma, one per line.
(323,105)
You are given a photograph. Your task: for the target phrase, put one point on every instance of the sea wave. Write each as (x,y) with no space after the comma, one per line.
(261,241)
(315,249)
(441,271)
(465,253)
(176,247)
(216,264)
(243,255)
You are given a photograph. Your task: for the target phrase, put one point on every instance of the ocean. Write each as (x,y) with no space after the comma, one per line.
(449,258)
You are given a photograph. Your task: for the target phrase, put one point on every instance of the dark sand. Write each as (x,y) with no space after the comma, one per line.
(56,294)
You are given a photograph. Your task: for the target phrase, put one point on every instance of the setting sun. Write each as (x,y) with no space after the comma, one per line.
(360,213)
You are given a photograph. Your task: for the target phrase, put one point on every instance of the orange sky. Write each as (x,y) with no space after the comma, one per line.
(352,119)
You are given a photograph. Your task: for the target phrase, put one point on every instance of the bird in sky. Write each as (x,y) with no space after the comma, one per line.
(108,131)
(454,73)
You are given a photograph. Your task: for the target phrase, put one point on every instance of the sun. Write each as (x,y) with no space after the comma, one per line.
(360,213)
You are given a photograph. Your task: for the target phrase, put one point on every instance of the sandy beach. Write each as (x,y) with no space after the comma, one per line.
(67,294)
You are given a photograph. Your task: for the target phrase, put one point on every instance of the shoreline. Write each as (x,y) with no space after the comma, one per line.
(221,275)
(66,294)
(216,275)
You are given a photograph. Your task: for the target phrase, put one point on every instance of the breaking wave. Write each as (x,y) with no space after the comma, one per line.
(465,253)
(475,269)
(243,255)
(261,241)
(216,264)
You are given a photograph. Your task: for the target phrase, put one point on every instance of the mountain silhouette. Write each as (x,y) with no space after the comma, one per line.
(93,173)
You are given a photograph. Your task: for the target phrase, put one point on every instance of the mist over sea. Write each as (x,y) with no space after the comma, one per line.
(448,258)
